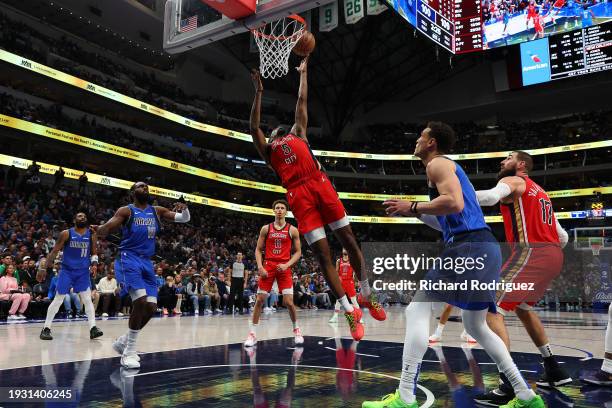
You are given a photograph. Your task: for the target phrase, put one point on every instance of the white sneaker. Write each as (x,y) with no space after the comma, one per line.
(130,361)
(299,339)
(217,310)
(251,340)
(267,310)
(119,346)
(334,318)
(434,338)
(21,317)
(196,312)
(104,314)
(273,309)
(467,338)
(119,314)
(12,317)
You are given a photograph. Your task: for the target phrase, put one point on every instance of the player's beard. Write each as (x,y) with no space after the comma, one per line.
(81,224)
(144,198)
(506,173)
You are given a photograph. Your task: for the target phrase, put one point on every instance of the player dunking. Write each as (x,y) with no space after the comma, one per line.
(79,246)
(346,272)
(276,239)
(312,198)
(454,211)
(140,223)
(535,238)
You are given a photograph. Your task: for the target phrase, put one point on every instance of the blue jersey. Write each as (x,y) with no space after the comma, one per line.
(470,218)
(587,19)
(139,232)
(77,251)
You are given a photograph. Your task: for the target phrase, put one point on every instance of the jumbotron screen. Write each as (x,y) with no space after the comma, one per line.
(463,26)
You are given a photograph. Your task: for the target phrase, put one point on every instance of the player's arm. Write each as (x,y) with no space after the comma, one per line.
(259,139)
(301,108)
(179,213)
(563,235)
(94,247)
(441,172)
(504,188)
(338,266)
(120,217)
(59,245)
(261,245)
(297,246)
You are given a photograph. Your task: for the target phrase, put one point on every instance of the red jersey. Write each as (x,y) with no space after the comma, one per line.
(530,11)
(537,23)
(292,159)
(346,271)
(530,218)
(278,244)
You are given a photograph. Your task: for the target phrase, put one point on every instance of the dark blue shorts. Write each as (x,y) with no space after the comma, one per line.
(481,247)
(77,279)
(134,272)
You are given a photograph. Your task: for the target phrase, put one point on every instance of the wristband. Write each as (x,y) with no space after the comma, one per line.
(413,207)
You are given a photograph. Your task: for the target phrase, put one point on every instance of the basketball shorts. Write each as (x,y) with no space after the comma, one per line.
(315,203)
(77,279)
(455,270)
(134,272)
(349,288)
(532,267)
(283,279)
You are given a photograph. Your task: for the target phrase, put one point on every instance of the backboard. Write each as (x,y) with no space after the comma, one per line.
(584,238)
(189,24)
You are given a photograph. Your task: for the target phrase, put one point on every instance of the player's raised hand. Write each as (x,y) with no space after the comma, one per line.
(256,77)
(303,65)
(179,207)
(94,228)
(398,208)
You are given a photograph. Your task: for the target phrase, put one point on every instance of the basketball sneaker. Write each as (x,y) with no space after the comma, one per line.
(299,339)
(389,401)
(467,338)
(334,318)
(376,309)
(535,402)
(251,340)
(95,333)
(45,334)
(554,374)
(356,327)
(434,338)
(130,361)
(120,344)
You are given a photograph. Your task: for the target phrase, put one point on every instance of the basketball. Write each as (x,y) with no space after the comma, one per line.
(305,45)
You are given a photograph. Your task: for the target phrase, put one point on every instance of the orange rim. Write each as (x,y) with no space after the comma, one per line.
(295,17)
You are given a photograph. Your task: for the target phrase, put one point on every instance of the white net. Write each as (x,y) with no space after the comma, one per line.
(275,41)
(596,243)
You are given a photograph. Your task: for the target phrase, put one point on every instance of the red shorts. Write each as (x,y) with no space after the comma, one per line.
(535,268)
(349,288)
(559,3)
(284,279)
(315,203)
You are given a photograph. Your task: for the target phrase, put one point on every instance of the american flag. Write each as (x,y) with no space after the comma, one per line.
(189,24)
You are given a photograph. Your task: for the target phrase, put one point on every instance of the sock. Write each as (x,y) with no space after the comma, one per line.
(607,365)
(130,347)
(295,325)
(54,307)
(439,329)
(545,350)
(475,323)
(365,288)
(253,327)
(348,308)
(337,306)
(89,307)
(418,315)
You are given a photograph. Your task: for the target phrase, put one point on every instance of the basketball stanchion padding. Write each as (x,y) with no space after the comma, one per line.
(234,9)
(275,41)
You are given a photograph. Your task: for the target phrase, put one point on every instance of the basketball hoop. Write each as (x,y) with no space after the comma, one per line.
(595,243)
(275,41)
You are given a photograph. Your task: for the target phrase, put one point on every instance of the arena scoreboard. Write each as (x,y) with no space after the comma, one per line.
(569,54)
(455,25)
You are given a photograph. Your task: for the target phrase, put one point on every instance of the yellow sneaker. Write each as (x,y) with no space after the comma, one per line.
(389,401)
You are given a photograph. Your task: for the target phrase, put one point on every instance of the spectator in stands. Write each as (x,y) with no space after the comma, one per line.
(11,177)
(211,290)
(58,178)
(195,291)
(11,291)
(167,297)
(272,301)
(83,183)
(223,292)
(70,300)
(40,295)
(27,273)
(322,295)
(159,276)
(7,260)
(109,294)
(299,296)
